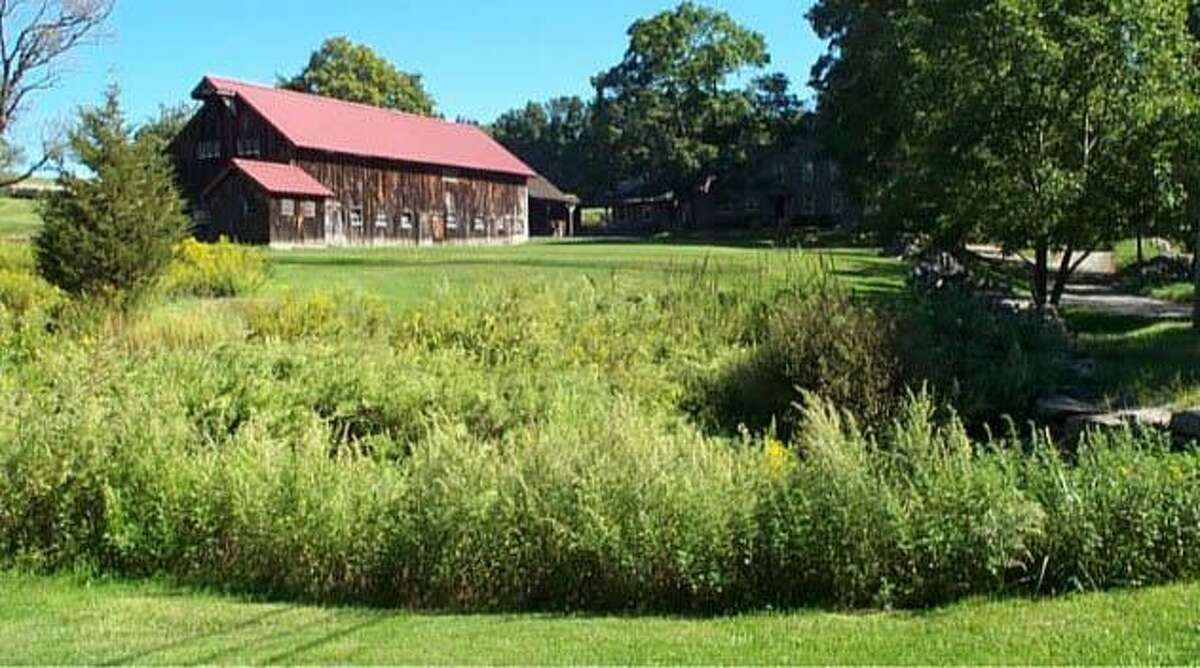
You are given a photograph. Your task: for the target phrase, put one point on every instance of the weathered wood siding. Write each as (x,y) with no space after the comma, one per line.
(236,209)
(442,205)
(225,123)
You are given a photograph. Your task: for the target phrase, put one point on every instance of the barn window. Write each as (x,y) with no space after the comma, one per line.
(502,223)
(381,218)
(835,172)
(405,220)
(752,204)
(478,225)
(200,216)
(356,216)
(308,208)
(451,215)
(208,149)
(249,146)
(287,207)
(647,214)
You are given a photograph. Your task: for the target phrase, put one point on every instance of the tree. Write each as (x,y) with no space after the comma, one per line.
(355,73)
(665,110)
(109,235)
(555,138)
(1006,121)
(165,127)
(36,37)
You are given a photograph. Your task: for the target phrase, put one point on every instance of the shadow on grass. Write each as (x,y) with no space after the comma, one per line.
(1140,361)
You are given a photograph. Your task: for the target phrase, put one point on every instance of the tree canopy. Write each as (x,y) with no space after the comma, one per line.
(354,72)
(1020,121)
(666,110)
(555,138)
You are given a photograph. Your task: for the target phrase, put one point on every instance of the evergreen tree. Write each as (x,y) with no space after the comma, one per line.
(110,234)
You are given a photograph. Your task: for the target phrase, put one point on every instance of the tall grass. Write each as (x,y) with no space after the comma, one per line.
(537,449)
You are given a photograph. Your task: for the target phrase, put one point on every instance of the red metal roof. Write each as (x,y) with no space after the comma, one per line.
(281,179)
(325,124)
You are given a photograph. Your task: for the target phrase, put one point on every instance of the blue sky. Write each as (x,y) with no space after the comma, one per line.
(479,57)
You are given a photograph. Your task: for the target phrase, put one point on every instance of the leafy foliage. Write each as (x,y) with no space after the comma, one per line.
(665,110)
(556,139)
(110,235)
(1045,125)
(221,269)
(355,73)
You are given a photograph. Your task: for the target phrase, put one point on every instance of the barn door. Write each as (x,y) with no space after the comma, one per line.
(335,228)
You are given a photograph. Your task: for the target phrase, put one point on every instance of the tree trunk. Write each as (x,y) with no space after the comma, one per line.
(1140,256)
(1196,271)
(1063,275)
(1041,273)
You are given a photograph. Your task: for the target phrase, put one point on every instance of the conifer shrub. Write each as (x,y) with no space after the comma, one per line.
(110,235)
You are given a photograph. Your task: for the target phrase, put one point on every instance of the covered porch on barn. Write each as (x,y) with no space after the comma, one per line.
(552,213)
(264,203)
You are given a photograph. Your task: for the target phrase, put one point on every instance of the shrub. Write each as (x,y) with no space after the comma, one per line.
(822,342)
(23,293)
(983,358)
(221,269)
(110,236)
(315,316)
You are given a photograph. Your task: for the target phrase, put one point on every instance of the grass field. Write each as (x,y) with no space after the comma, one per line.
(66,621)
(18,217)
(408,276)
(1141,362)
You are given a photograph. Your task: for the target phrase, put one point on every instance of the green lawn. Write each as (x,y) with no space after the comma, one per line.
(18,217)
(66,621)
(406,275)
(1141,362)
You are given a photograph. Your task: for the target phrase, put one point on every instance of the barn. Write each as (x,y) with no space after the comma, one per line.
(268,166)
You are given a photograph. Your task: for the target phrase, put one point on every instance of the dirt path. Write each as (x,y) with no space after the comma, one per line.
(1106,299)
(1093,289)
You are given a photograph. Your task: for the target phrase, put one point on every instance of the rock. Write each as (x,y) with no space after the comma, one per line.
(1158,418)
(1186,424)
(1058,407)
(1080,423)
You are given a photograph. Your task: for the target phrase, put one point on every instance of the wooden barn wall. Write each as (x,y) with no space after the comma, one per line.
(226,123)
(238,210)
(446,206)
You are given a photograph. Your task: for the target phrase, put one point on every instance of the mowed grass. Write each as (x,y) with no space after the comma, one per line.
(1141,361)
(18,217)
(68,621)
(406,276)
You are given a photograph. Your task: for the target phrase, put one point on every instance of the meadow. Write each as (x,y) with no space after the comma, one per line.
(564,427)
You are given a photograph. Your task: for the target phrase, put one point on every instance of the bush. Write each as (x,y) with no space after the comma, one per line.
(822,342)
(985,359)
(110,236)
(221,269)
(23,293)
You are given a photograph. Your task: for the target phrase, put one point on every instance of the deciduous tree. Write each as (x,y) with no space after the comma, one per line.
(666,110)
(1006,121)
(355,73)
(36,39)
